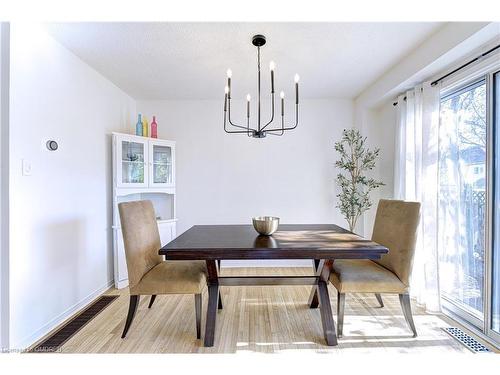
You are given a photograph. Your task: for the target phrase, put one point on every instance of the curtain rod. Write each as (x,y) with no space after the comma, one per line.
(434,83)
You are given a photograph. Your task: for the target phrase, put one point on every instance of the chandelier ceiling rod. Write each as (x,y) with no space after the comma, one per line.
(261,131)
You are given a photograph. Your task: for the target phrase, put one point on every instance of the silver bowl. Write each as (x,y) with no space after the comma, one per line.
(266,225)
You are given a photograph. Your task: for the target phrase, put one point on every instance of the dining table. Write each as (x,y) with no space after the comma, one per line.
(321,243)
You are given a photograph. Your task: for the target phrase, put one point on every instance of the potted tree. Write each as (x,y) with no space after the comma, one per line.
(355,186)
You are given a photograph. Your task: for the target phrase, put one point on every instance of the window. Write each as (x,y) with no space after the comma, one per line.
(495,268)
(462,198)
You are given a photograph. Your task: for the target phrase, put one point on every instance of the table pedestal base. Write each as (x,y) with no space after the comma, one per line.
(319,295)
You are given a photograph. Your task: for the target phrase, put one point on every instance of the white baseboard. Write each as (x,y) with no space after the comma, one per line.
(121,284)
(38,334)
(266,263)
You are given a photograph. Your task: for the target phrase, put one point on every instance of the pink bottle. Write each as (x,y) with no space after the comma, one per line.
(154,128)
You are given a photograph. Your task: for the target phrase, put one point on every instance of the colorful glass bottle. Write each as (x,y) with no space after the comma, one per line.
(145,126)
(138,126)
(154,128)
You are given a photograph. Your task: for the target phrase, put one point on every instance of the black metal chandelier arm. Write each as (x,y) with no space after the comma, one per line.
(288,128)
(234,131)
(282,128)
(272,112)
(247,128)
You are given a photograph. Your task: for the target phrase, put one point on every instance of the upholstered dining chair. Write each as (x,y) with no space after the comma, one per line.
(395,227)
(148,273)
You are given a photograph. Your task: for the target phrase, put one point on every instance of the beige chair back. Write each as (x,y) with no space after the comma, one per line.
(395,227)
(140,238)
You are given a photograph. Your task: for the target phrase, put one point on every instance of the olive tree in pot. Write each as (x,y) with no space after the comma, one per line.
(355,187)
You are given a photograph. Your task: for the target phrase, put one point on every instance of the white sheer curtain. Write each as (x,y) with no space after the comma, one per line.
(416,179)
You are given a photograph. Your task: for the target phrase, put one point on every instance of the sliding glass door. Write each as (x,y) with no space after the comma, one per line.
(462,200)
(469,203)
(494,321)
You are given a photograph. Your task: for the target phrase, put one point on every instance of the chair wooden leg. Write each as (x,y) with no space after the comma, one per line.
(404,299)
(151,301)
(220,294)
(379,299)
(340,313)
(132,308)
(220,301)
(197,307)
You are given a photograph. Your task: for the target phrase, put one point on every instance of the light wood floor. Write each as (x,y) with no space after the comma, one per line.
(261,319)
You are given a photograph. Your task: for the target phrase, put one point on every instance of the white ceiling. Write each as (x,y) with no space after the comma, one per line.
(189,60)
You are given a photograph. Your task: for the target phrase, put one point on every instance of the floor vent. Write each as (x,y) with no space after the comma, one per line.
(468,341)
(52,343)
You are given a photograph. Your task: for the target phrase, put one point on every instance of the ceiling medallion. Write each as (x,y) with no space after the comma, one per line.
(261,131)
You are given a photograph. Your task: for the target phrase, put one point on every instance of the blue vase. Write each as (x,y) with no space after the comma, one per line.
(138,126)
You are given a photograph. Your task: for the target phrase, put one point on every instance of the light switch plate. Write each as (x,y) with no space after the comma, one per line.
(26,168)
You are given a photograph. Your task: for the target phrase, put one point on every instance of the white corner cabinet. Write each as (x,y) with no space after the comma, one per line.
(143,168)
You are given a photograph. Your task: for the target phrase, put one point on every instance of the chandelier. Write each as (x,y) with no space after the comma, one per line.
(262,129)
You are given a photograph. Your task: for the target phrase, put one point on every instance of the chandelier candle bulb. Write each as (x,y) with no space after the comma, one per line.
(248,105)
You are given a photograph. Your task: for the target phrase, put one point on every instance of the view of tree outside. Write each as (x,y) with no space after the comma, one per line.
(462,196)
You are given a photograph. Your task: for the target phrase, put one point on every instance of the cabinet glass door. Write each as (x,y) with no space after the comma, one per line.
(132,160)
(162,161)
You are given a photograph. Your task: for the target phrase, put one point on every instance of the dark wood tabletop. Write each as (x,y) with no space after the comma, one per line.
(322,243)
(291,241)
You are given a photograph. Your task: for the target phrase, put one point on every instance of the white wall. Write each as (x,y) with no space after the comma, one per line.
(60,239)
(4,184)
(439,52)
(223,178)
(379,126)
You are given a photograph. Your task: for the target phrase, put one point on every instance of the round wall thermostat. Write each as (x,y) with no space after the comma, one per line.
(52,145)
